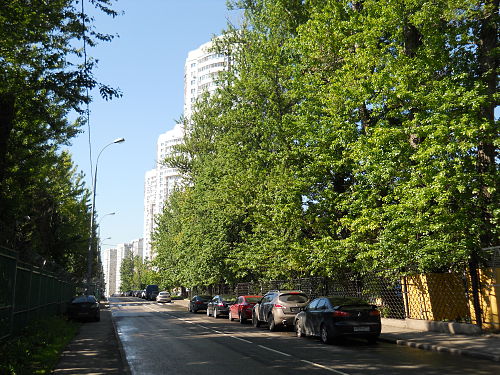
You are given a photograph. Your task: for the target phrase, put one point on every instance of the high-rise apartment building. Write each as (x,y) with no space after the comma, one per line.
(159,183)
(200,75)
(109,265)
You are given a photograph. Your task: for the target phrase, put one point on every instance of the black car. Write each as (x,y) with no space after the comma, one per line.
(84,307)
(198,303)
(331,318)
(219,305)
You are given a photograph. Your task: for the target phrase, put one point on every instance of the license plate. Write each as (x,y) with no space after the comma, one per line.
(295,309)
(361,329)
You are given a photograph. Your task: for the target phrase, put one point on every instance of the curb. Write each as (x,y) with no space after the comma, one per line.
(442,349)
(123,357)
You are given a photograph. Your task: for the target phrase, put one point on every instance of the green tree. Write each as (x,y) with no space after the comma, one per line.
(44,78)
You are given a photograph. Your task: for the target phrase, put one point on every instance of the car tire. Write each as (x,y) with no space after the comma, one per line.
(97,318)
(298,329)
(325,335)
(271,323)
(255,321)
(241,319)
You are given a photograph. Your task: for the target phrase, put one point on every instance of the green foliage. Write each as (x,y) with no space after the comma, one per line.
(37,350)
(43,79)
(136,273)
(346,137)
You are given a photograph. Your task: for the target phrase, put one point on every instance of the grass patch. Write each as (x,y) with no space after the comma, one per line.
(38,348)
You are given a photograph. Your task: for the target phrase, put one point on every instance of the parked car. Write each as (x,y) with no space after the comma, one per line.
(151,292)
(198,303)
(219,305)
(242,308)
(278,308)
(331,318)
(163,297)
(84,307)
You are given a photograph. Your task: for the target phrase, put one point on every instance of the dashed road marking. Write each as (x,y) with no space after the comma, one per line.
(273,350)
(324,367)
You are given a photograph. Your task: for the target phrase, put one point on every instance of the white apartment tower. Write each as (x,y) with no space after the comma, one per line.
(122,251)
(159,183)
(109,266)
(200,75)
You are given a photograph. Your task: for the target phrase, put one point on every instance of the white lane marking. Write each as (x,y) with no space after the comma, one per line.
(324,367)
(239,338)
(276,351)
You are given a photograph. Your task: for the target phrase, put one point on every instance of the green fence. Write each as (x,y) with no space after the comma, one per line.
(29,292)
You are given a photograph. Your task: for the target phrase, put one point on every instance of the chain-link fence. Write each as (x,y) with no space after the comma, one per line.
(438,296)
(29,291)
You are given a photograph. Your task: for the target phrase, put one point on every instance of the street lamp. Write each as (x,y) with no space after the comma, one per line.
(92,212)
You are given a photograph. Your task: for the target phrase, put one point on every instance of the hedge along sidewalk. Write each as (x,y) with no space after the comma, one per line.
(95,349)
(38,347)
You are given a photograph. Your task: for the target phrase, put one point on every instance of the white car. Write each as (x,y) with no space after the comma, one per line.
(163,297)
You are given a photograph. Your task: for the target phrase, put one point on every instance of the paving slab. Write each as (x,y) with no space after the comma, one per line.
(95,349)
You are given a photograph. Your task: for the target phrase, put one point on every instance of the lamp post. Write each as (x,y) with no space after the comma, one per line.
(92,212)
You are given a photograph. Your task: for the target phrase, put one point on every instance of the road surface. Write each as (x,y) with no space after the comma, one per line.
(166,338)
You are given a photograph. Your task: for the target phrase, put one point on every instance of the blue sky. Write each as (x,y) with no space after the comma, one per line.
(146,62)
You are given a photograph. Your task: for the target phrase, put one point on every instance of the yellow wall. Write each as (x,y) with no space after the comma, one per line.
(490,298)
(441,297)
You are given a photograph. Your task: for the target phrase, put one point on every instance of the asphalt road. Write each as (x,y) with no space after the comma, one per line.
(161,339)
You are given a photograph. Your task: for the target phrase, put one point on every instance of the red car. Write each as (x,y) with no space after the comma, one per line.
(242,308)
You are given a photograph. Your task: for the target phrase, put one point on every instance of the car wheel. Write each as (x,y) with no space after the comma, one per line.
(271,323)
(255,321)
(325,335)
(215,313)
(241,319)
(98,318)
(298,329)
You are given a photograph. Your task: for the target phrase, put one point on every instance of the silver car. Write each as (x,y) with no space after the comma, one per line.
(278,308)
(163,297)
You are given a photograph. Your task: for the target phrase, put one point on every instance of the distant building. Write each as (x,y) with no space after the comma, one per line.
(159,183)
(109,265)
(200,75)
(138,248)
(123,250)
(112,261)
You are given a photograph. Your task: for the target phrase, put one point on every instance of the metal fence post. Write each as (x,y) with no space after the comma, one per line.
(13,304)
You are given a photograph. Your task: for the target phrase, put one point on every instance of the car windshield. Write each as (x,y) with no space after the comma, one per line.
(204,298)
(252,299)
(293,297)
(81,299)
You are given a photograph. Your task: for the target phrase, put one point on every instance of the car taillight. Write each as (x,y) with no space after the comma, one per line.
(221,304)
(339,313)
(375,313)
(279,306)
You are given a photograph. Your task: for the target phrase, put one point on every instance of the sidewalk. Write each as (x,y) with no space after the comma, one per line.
(484,346)
(95,349)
